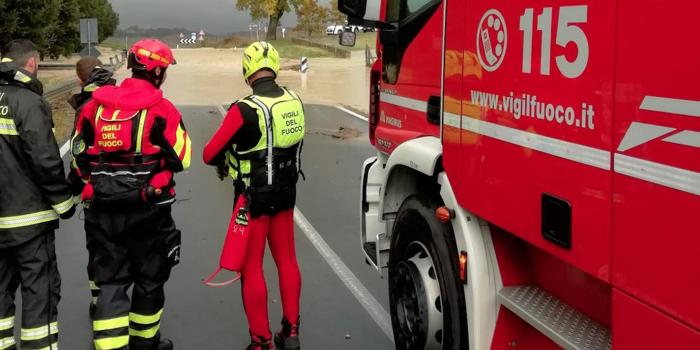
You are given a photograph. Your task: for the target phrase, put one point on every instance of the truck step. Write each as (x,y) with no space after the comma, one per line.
(371,251)
(557,320)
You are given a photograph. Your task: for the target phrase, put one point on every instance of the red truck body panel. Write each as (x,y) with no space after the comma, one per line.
(591,102)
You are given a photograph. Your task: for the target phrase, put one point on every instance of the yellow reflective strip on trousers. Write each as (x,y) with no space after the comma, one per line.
(111,343)
(28,219)
(53,346)
(7,342)
(114,323)
(145,319)
(39,332)
(93,286)
(7,323)
(146,334)
(63,206)
(139,136)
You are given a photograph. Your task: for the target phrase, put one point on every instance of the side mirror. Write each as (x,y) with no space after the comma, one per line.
(361,12)
(353,8)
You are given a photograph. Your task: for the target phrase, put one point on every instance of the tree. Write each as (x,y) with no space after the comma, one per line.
(36,20)
(53,24)
(67,30)
(107,19)
(334,14)
(271,9)
(311,17)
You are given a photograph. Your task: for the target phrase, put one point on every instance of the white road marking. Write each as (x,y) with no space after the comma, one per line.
(361,293)
(356,115)
(65,148)
(221,110)
(358,290)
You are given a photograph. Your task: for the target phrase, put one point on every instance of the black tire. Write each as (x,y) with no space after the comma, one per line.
(419,240)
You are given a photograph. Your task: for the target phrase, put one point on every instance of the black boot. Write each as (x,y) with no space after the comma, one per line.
(165,344)
(288,337)
(259,343)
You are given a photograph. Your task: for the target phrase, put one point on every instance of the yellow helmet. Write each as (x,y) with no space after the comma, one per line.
(260,55)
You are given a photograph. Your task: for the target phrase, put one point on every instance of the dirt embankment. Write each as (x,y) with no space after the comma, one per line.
(209,77)
(213,77)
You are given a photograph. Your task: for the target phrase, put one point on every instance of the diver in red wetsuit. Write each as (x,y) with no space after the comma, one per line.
(259,145)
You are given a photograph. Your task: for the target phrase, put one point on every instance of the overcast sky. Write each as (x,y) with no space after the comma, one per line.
(214,16)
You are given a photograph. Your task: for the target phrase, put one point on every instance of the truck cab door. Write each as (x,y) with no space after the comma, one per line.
(410,72)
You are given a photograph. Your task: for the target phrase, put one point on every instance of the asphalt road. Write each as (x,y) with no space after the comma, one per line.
(200,317)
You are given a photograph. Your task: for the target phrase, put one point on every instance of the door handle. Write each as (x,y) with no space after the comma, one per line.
(433,112)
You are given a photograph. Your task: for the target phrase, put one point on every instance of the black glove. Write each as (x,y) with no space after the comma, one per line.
(69,214)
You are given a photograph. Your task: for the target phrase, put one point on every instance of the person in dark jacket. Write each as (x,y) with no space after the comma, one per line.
(91,76)
(33,195)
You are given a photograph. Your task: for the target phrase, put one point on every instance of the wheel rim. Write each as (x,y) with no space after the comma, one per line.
(418,300)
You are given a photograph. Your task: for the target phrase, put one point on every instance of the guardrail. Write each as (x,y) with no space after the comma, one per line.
(336,51)
(115,62)
(61,90)
(67,88)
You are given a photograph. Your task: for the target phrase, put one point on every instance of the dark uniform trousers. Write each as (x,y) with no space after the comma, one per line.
(130,247)
(32,265)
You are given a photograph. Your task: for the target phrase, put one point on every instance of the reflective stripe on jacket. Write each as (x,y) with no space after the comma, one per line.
(33,189)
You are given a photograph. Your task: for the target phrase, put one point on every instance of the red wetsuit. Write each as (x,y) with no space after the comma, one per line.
(240,127)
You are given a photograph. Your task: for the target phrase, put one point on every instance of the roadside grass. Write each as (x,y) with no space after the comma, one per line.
(363,39)
(285,47)
(114,43)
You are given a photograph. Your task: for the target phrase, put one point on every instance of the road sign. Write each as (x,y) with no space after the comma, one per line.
(182,35)
(90,51)
(88,31)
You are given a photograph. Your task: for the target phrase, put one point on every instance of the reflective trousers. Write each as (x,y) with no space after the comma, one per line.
(33,266)
(278,230)
(130,247)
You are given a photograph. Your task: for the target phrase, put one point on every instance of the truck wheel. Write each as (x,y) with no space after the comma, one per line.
(426,296)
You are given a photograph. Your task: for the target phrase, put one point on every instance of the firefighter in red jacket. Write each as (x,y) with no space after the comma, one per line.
(128,142)
(260,144)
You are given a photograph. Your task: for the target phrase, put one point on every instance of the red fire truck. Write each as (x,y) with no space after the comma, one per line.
(537,176)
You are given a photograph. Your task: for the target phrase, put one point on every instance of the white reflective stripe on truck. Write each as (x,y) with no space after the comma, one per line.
(406,102)
(563,149)
(660,174)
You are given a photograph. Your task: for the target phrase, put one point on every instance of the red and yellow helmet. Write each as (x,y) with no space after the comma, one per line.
(152,53)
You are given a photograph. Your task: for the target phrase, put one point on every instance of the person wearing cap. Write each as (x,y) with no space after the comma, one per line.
(129,141)
(91,76)
(259,145)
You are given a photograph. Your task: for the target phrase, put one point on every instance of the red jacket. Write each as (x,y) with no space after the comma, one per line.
(164,133)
